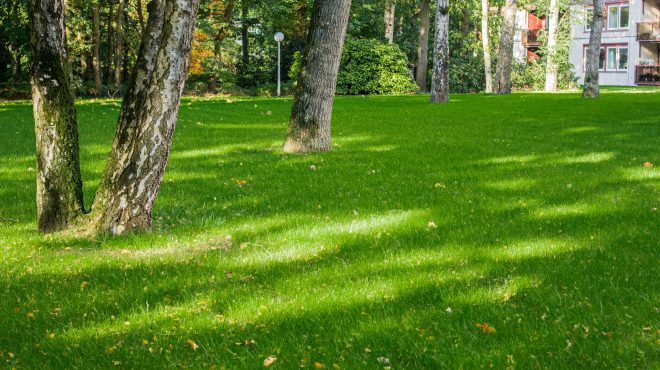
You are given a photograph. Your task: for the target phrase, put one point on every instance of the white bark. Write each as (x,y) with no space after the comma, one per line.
(390,8)
(551,62)
(440,79)
(485,43)
(591,77)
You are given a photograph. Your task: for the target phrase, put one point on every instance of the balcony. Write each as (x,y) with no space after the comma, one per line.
(530,38)
(648,31)
(647,75)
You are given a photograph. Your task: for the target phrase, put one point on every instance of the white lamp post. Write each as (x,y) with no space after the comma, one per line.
(279,37)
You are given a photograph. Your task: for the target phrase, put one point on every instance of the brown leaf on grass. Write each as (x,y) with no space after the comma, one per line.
(485,328)
(269,361)
(192,344)
(648,164)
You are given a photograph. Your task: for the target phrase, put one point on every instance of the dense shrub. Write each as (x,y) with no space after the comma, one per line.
(530,76)
(373,67)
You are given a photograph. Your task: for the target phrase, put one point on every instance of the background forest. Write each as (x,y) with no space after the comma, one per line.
(234,51)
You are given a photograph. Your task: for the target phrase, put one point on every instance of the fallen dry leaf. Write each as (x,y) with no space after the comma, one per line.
(485,328)
(648,164)
(269,361)
(192,344)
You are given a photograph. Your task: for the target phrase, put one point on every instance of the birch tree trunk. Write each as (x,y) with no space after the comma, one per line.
(485,43)
(59,183)
(309,125)
(591,77)
(551,63)
(440,79)
(140,149)
(505,56)
(119,43)
(390,8)
(423,46)
(96,48)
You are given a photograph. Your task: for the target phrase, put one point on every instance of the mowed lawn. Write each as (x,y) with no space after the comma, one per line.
(509,232)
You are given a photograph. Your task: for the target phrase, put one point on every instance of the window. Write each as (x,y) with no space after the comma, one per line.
(618,17)
(590,17)
(612,58)
(623,58)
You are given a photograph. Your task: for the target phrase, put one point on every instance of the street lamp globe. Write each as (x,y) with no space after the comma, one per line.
(279,37)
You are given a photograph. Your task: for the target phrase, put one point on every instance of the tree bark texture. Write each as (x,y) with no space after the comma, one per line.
(119,42)
(551,62)
(96,46)
(591,77)
(485,43)
(309,125)
(505,56)
(465,26)
(423,46)
(110,45)
(143,138)
(245,34)
(390,16)
(440,80)
(59,183)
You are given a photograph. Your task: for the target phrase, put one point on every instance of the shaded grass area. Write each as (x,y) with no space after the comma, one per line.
(531,213)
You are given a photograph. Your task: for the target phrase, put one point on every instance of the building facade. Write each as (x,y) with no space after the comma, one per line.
(630,51)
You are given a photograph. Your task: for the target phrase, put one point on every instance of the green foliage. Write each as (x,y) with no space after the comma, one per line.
(373,67)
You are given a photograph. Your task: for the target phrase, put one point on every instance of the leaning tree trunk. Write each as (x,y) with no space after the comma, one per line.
(423,46)
(505,56)
(485,43)
(390,9)
(59,183)
(551,62)
(142,142)
(96,48)
(119,43)
(591,83)
(440,79)
(309,125)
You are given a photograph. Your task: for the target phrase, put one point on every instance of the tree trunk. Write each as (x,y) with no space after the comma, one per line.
(485,43)
(505,57)
(466,22)
(440,80)
(245,34)
(309,125)
(551,62)
(301,19)
(59,183)
(96,48)
(390,8)
(591,77)
(143,138)
(110,46)
(423,46)
(119,43)
(140,16)
(220,36)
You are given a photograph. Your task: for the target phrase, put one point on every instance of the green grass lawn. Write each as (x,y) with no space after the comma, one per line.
(531,213)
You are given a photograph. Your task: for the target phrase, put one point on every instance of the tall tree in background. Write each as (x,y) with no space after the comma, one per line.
(551,58)
(96,46)
(505,56)
(591,77)
(485,42)
(59,183)
(390,16)
(109,44)
(119,42)
(142,142)
(423,46)
(440,79)
(309,125)
(245,34)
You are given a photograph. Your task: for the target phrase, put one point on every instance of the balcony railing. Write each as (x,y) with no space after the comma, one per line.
(531,38)
(647,75)
(648,31)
